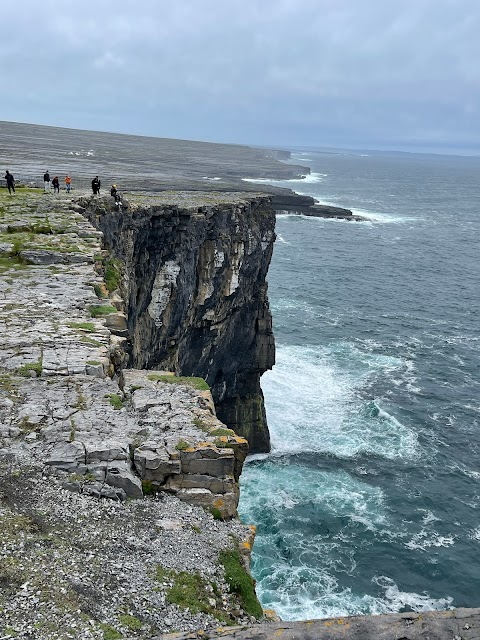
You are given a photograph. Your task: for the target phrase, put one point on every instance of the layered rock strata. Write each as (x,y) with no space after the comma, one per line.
(195,269)
(458,624)
(61,343)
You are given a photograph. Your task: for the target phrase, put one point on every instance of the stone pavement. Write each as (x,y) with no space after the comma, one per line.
(66,396)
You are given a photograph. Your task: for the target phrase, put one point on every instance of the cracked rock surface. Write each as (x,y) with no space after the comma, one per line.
(108,476)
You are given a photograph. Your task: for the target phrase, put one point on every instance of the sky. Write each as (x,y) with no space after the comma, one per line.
(376,74)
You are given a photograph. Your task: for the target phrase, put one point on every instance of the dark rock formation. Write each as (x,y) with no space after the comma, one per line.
(305,205)
(196,293)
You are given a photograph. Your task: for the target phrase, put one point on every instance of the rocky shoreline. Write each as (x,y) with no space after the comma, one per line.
(296,204)
(117,484)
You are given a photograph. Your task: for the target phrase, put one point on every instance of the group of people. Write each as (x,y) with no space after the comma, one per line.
(55,183)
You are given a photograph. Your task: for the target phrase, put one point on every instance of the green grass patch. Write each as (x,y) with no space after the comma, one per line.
(115,400)
(216,513)
(25,369)
(200,424)
(98,310)
(240,582)
(110,633)
(222,432)
(6,383)
(196,383)
(83,326)
(94,363)
(182,445)
(100,290)
(130,622)
(112,273)
(148,488)
(189,591)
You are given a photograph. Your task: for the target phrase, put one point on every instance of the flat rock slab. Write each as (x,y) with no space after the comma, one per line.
(458,624)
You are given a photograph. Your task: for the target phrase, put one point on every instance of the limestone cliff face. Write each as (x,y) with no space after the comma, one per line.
(195,286)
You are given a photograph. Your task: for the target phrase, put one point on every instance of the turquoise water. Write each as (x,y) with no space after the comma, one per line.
(370,499)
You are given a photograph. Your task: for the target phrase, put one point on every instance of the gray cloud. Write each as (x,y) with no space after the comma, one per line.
(346,72)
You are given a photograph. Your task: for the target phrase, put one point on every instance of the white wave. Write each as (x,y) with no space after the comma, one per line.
(396,600)
(209,178)
(475,534)
(429,517)
(425,539)
(281,239)
(310,178)
(384,218)
(312,404)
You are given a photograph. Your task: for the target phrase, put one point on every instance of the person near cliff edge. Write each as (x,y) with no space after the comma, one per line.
(96,186)
(114,193)
(10,182)
(68,183)
(56,185)
(46,181)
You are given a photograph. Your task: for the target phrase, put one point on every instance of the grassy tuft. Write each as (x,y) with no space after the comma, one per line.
(130,622)
(196,383)
(83,326)
(240,582)
(182,445)
(98,310)
(25,369)
(222,432)
(109,633)
(189,591)
(115,400)
(216,513)
(112,273)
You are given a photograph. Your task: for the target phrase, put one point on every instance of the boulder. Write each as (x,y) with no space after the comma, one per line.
(67,455)
(106,451)
(120,475)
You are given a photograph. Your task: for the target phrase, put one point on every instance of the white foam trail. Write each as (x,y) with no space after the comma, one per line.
(313,406)
(397,600)
(311,178)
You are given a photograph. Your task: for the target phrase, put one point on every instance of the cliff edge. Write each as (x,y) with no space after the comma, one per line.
(195,267)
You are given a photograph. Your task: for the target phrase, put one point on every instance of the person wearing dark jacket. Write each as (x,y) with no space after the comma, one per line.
(46,181)
(56,185)
(10,182)
(96,185)
(114,193)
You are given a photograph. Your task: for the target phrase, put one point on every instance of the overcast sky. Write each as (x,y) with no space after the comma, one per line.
(397,74)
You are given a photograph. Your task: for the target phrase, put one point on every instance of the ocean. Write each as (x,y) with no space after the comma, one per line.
(369,501)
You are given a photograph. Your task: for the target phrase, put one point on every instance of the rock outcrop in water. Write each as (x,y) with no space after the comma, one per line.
(294,203)
(195,286)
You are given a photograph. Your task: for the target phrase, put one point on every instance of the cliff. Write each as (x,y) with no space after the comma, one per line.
(119,486)
(195,269)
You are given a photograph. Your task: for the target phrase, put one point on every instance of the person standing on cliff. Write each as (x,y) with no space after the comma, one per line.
(68,183)
(56,185)
(96,186)
(10,182)
(46,181)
